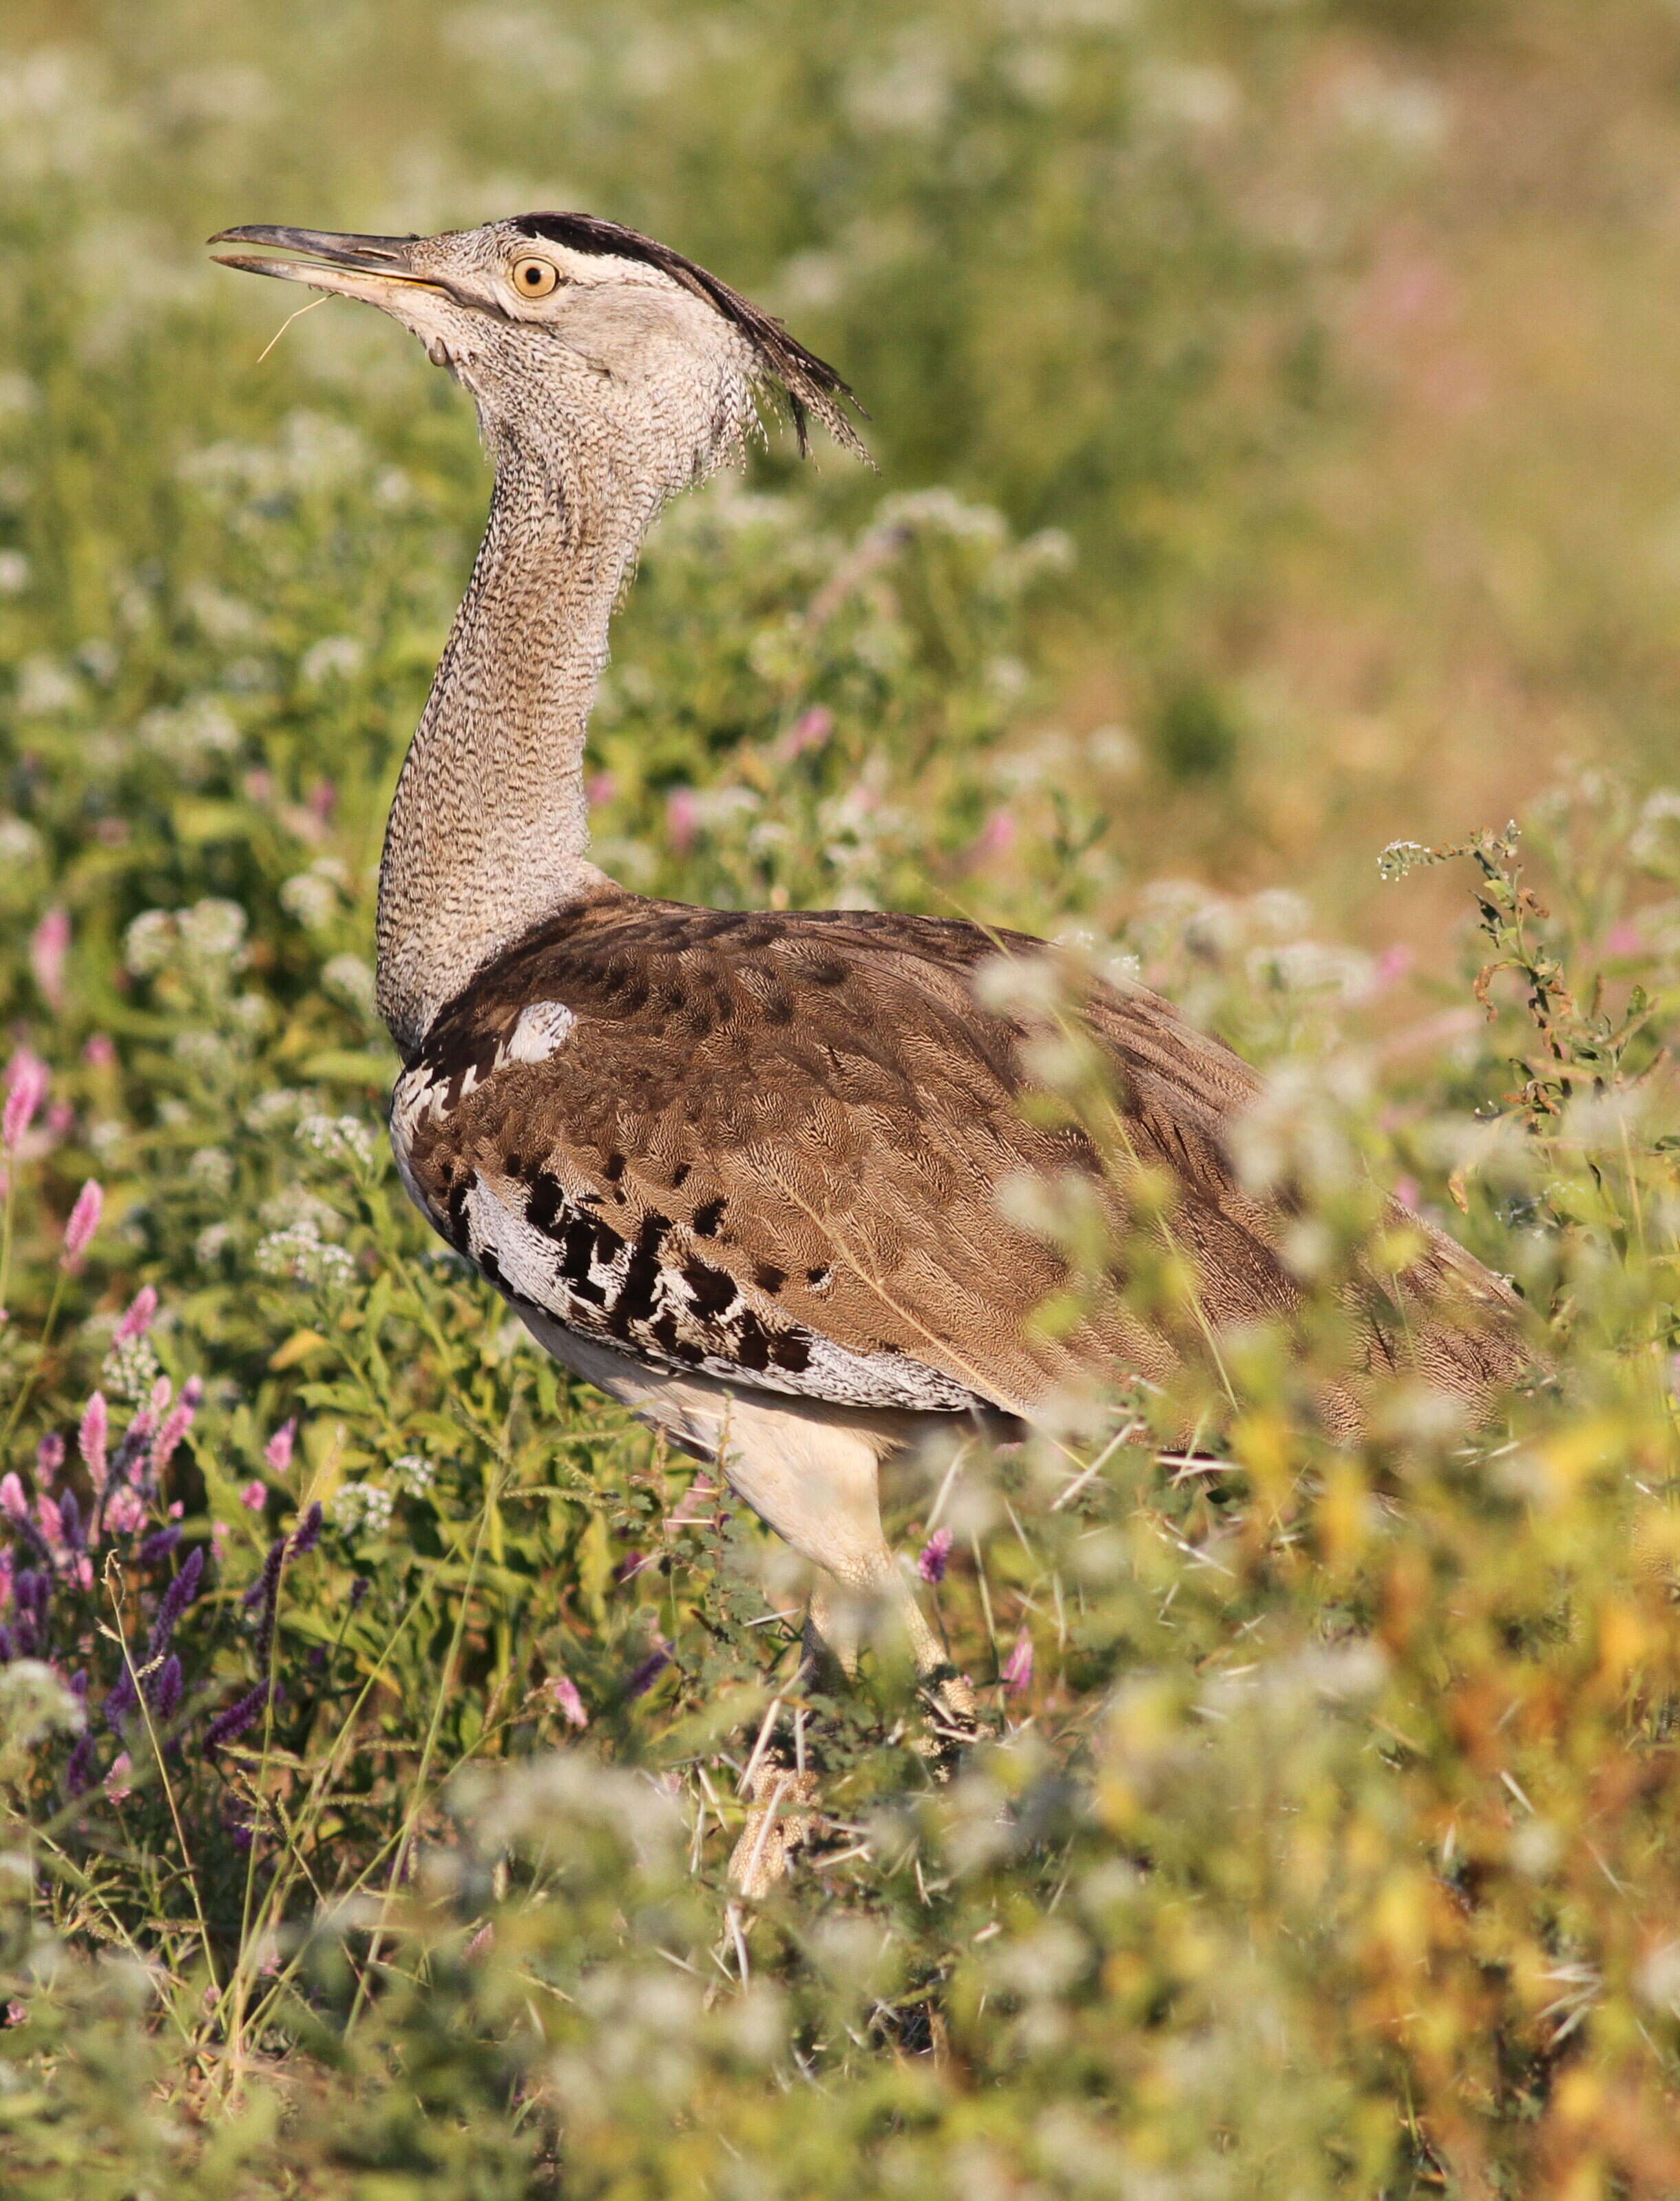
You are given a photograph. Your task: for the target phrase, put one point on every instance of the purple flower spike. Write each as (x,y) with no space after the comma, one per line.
(229,1726)
(262,1589)
(649,1670)
(70,1522)
(79,1766)
(165,1689)
(307,1533)
(174,1602)
(8,1648)
(49,1459)
(359,1589)
(158,1545)
(935,1554)
(122,1700)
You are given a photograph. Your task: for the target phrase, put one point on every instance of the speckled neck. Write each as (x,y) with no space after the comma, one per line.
(489,824)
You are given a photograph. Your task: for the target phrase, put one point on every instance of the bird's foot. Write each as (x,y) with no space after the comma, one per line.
(781,1821)
(953,1716)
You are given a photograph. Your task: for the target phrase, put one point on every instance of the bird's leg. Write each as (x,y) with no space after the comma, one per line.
(780,1779)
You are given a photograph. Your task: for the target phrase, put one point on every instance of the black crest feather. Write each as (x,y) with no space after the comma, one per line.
(811,385)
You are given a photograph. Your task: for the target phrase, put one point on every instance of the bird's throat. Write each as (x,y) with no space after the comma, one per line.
(488,829)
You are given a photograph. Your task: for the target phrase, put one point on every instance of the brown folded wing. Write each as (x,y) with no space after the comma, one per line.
(771,1146)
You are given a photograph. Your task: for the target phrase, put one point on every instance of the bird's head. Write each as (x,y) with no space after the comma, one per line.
(577,337)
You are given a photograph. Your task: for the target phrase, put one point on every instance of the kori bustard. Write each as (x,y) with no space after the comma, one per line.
(741,1170)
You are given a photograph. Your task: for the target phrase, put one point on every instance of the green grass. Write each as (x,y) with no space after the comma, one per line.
(1275,436)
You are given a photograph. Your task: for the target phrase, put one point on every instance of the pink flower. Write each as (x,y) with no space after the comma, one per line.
(49,945)
(1408,1192)
(483,1939)
(682,818)
(1394,962)
(99,1052)
(600,787)
(220,1534)
(1018,1667)
(26,1081)
(52,1523)
(162,1391)
(49,1459)
(563,1690)
(276,1453)
(178,1423)
(1624,939)
(935,1554)
(139,1319)
(6,1568)
(16,2013)
(124,1513)
(92,1437)
(117,1782)
(323,800)
(808,731)
(12,1500)
(254,1495)
(79,1231)
(995,838)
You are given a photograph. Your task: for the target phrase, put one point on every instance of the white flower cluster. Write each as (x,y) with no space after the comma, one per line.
(338,1139)
(300,1254)
(314,897)
(347,979)
(362,1508)
(415,1471)
(189,735)
(19,842)
(210,937)
(129,1370)
(211,1168)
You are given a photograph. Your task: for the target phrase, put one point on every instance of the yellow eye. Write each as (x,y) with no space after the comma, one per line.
(535,279)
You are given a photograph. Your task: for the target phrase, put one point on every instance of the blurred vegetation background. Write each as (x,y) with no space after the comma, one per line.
(1271,402)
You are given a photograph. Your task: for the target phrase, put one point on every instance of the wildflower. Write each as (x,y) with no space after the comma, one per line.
(277,1453)
(300,1254)
(682,818)
(643,1678)
(99,1052)
(129,1369)
(358,1590)
(363,1506)
(92,1437)
(118,1785)
(79,1231)
(307,1533)
(49,944)
(124,1512)
(26,1081)
(935,1552)
(996,837)
(12,1500)
(339,1138)
(165,1688)
(159,1545)
(600,789)
(416,1470)
(1017,1675)
(149,942)
(79,1766)
(70,1528)
(177,1424)
(254,1495)
(349,981)
(563,1690)
(174,1602)
(228,1726)
(49,1457)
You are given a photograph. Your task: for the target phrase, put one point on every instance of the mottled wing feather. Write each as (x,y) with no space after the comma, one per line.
(768,1147)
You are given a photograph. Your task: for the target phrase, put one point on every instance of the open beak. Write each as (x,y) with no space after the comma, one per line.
(367,267)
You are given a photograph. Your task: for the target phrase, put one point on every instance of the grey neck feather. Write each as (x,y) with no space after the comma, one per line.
(489,824)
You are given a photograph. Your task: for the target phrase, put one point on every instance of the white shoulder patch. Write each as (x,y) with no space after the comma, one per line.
(542,1027)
